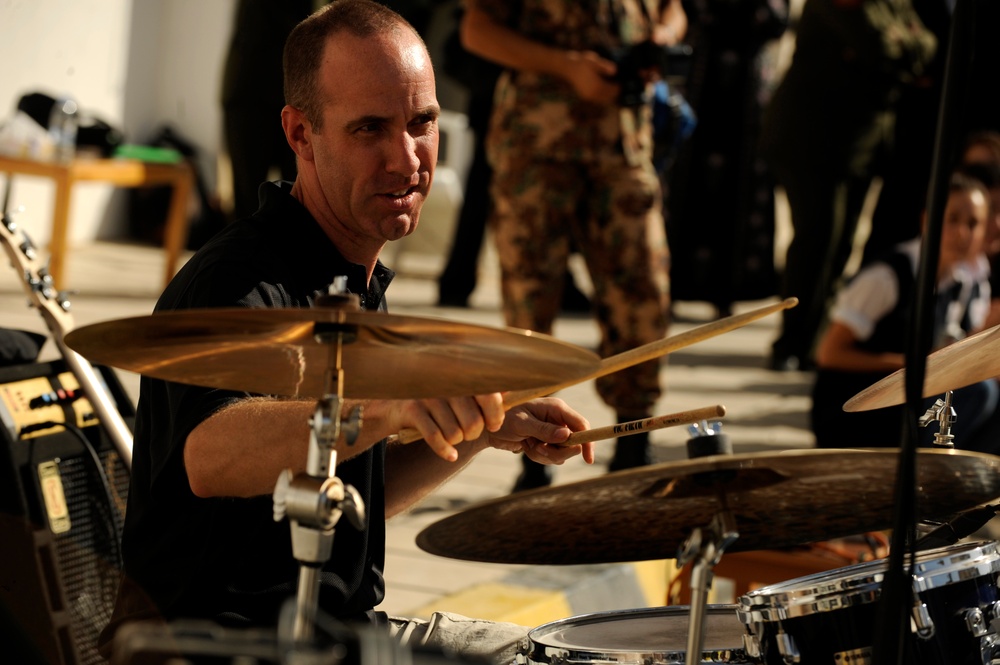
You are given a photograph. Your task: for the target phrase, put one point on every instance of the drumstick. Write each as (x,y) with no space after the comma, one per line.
(635,356)
(654,350)
(643,425)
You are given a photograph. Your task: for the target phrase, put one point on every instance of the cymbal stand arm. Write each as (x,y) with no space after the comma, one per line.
(704,548)
(942,412)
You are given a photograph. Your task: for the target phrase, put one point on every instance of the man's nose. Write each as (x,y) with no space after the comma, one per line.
(402,155)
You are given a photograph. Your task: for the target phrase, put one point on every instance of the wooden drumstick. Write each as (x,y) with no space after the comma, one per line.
(655,350)
(643,425)
(637,355)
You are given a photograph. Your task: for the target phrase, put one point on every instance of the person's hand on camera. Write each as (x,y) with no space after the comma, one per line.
(592,77)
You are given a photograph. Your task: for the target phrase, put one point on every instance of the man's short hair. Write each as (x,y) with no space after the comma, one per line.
(305,45)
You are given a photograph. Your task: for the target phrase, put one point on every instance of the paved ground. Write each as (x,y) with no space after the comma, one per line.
(766,411)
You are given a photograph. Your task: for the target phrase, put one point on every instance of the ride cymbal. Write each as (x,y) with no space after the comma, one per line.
(288,352)
(973,359)
(777,500)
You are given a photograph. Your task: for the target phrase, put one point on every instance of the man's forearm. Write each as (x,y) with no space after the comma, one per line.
(488,39)
(413,470)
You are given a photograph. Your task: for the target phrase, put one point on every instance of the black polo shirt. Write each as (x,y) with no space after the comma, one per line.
(223,558)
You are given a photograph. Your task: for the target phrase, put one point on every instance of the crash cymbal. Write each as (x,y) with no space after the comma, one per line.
(955,366)
(777,500)
(278,352)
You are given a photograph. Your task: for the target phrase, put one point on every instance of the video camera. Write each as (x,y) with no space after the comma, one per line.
(673,62)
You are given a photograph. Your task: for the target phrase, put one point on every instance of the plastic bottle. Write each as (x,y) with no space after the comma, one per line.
(63,123)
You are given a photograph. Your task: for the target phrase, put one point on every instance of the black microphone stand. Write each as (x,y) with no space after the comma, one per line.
(896,601)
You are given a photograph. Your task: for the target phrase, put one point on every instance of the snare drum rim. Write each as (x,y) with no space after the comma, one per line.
(847,587)
(540,653)
(932,572)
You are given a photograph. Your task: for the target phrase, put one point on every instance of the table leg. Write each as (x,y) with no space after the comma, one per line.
(176,231)
(60,228)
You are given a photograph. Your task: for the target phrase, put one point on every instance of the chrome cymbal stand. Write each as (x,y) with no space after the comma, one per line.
(705,546)
(315,500)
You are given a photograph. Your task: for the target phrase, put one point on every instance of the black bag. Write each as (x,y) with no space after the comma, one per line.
(148,206)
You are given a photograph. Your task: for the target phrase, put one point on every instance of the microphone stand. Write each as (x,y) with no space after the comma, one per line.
(896,601)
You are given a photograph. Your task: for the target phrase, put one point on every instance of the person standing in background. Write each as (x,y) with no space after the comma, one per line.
(906,169)
(570,143)
(252,96)
(478,76)
(720,203)
(821,134)
(457,281)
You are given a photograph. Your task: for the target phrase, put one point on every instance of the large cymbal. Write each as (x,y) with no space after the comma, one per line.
(276,351)
(777,500)
(957,365)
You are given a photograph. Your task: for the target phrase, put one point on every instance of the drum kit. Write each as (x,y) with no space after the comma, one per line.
(694,510)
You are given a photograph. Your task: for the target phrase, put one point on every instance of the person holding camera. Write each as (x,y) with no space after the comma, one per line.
(570,144)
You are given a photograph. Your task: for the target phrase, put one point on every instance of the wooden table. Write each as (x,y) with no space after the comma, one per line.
(118,172)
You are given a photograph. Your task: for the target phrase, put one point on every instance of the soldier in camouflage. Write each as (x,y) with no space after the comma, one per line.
(570,143)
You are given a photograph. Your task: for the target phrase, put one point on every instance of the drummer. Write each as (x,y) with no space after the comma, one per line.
(199,538)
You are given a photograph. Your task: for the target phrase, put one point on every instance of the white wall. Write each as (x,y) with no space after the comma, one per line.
(135,63)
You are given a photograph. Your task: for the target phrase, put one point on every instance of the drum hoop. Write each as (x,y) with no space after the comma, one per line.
(934,569)
(539,652)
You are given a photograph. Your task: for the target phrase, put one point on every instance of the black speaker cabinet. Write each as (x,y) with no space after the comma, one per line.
(62,502)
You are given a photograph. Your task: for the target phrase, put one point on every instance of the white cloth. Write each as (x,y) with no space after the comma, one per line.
(461,637)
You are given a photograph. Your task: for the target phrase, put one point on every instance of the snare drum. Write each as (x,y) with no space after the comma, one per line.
(649,636)
(829,617)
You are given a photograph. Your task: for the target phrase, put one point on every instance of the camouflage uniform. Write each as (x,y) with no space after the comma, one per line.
(565,168)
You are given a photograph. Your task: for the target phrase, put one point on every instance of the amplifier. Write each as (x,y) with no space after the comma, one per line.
(63,490)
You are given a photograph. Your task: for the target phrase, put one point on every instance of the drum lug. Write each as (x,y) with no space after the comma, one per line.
(751,644)
(786,647)
(976,622)
(923,624)
(994,611)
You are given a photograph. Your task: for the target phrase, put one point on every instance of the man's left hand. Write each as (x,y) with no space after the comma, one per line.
(532,427)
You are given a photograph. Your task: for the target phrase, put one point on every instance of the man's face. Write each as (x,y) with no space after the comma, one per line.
(375,153)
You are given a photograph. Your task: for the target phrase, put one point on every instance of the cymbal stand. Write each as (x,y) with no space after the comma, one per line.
(704,547)
(315,500)
(942,412)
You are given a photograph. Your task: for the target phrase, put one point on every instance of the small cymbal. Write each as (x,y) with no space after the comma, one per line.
(278,352)
(973,359)
(778,500)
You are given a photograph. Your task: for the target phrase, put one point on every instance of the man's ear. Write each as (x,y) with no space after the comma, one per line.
(298,132)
